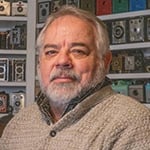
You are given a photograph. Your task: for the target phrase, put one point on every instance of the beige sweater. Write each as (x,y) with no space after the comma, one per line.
(103,121)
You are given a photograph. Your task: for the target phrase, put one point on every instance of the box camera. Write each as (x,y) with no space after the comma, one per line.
(19,8)
(73,2)
(17,100)
(88,5)
(103,7)
(44,9)
(135,5)
(18,37)
(4,69)
(116,64)
(4,8)
(120,87)
(119,32)
(136,29)
(4,102)
(3,38)
(120,6)
(55,5)
(137,92)
(18,69)
(147,92)
(134,61)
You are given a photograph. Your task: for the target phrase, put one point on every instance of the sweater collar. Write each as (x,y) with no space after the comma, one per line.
(43,102)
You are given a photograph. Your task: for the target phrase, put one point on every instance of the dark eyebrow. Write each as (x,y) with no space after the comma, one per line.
(50,45)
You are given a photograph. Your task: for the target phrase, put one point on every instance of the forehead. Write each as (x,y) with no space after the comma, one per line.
(70,25)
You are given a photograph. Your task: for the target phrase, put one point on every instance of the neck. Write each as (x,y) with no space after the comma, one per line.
(57,110)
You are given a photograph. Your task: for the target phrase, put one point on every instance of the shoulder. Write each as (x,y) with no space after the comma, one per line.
(27,119)
(121,107)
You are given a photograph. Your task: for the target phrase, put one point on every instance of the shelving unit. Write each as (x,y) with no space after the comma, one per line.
(128,46)
(28,85)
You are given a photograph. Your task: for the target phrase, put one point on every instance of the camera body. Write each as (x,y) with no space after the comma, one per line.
(19,8)
(4,8)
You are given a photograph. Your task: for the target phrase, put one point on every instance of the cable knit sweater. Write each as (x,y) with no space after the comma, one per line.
(103,121)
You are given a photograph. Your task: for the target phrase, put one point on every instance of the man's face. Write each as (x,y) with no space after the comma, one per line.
(68,61)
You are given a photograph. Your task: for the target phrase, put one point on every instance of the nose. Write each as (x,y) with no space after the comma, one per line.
(64,61)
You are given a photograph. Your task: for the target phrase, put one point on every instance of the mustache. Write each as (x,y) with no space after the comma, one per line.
(65,73)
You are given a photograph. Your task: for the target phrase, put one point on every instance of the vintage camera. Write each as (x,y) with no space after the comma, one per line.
(116,64)
(137,92)
(147,27)
(120,6)
(135,5)
(147,92)
(134,62)
(55,5)
(18,37)
(147,63)
(119,32)
(4,102)
(4,8)
(88,5)
(19,8)
(44,9)
(121,87)
(103,7)
(136,29)
(129,63)
(148,4)
(73,3)
(17,100)
(18,69)
(3,37)
(4,69)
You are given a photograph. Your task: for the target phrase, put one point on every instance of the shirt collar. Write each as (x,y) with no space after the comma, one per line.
(44,106)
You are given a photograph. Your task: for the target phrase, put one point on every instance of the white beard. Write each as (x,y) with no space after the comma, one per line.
(62,93)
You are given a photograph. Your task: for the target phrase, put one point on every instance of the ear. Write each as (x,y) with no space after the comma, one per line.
(107,59)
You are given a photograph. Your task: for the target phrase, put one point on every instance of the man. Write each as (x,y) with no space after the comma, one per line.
(77,109)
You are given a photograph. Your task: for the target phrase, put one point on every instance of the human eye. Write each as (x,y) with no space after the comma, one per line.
(51,52)
(79,52)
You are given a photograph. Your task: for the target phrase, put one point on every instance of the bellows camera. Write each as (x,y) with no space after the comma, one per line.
(4,8)
(19,8)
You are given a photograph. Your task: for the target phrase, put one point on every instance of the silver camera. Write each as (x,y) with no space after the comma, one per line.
(136,28)
(119,32)
(4,8)
(17,100)
(19,8)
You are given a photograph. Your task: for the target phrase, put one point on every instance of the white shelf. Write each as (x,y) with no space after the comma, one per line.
(129,76)
(125,15)
(11,84)
(130,46)
(13,18)
(13,52)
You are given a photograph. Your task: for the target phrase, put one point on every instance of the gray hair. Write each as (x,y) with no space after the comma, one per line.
(102,38)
